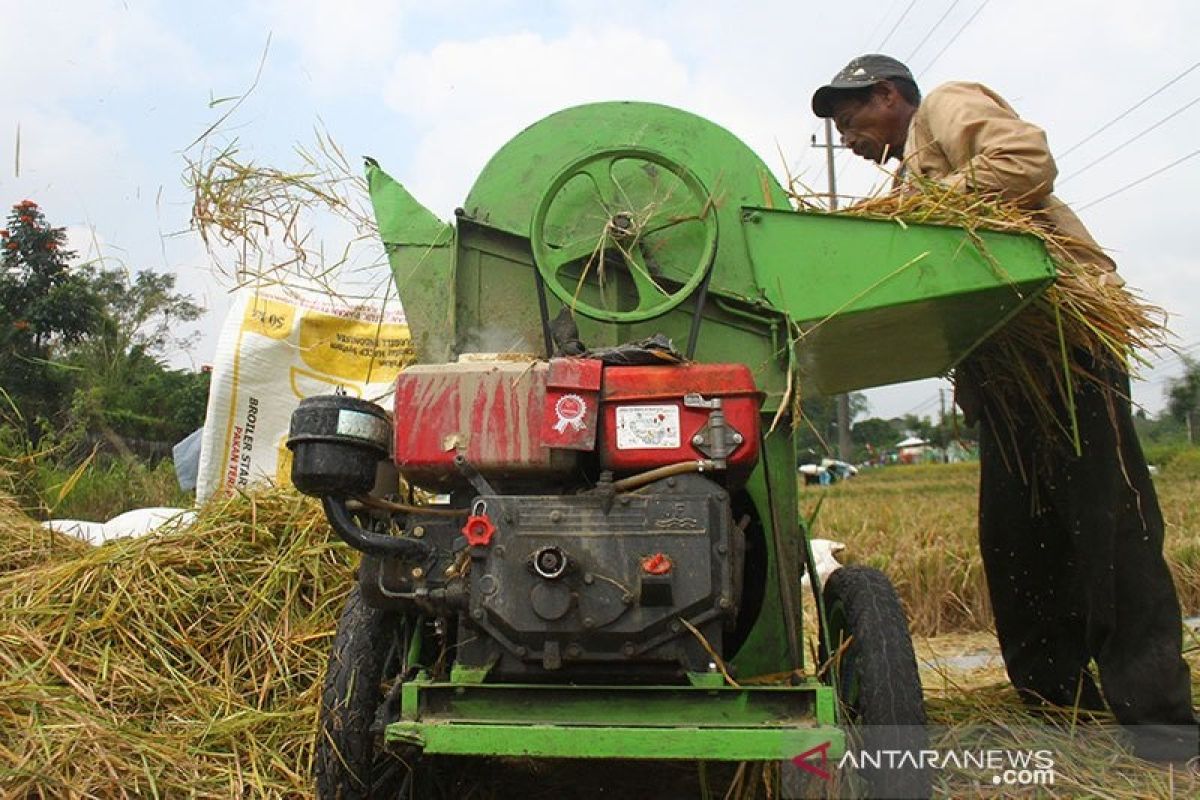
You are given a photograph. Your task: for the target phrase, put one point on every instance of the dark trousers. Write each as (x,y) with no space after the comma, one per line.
(1072,551)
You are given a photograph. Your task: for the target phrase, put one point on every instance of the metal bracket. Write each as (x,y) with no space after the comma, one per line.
(696,400)
(478,482)
(716,439)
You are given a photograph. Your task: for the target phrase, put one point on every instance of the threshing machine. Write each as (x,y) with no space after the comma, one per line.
(608,339)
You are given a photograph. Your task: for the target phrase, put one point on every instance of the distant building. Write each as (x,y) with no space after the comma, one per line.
(912,450)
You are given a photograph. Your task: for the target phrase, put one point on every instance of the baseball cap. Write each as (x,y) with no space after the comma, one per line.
(860,73)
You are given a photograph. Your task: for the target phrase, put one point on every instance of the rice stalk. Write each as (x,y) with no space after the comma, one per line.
(1023,363)
(183,664)
(24,543)
(260,223)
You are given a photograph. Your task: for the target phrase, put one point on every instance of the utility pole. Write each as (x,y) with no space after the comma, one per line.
(843,400)
(943,438)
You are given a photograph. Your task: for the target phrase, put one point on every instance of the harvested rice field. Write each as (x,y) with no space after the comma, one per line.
(189,664)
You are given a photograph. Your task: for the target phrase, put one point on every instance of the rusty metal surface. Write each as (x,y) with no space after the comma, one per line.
(490,412)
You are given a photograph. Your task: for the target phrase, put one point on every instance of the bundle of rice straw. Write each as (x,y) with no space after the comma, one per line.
(190,664)
(24,543)
(1032,363)
(186,664)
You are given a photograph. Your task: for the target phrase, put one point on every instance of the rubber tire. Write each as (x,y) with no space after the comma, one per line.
(349,757)
(879,687)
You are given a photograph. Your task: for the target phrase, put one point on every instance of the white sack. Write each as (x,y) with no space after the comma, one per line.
(277,346)
(138,522)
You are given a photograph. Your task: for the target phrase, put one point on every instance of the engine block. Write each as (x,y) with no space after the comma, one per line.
(583,585)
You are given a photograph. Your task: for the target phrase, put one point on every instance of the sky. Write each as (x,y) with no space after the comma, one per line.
(102,99)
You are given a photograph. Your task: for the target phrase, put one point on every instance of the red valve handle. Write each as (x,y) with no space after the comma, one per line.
(657,564)
(479,530)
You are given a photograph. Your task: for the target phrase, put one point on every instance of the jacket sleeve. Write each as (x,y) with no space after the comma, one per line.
(989,147)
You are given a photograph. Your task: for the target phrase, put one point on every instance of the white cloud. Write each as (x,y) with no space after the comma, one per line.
(53,51)
(61,155)
(102,90)
(336,42)
(469,98)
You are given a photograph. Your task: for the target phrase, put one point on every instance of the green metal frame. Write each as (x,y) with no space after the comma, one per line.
(773,490)
(705,720)
(761,723)
(876,302)
(862,302)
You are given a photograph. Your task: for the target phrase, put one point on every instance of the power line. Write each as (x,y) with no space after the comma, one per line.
(1131,140)
(954,38)
(1127,111)
(928,403)
(929,32)
(812,134)
(879,48)
(894,27)
(879,24)
(1173,359)
(1140,180)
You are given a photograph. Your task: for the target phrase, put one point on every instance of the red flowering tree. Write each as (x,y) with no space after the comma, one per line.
(45,307)
(82,347)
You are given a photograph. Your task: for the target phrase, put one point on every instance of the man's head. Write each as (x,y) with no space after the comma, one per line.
(871,101)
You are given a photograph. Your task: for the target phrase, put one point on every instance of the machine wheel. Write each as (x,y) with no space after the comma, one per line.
(874,670)
(367,653)
(625,223)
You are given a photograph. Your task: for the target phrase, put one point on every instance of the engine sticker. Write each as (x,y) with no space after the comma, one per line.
(571,410)
(362,426)
(647,427)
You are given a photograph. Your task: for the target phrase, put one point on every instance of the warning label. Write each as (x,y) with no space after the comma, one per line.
(647,427)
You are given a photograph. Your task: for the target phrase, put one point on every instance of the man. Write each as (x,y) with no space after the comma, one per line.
(1072,550)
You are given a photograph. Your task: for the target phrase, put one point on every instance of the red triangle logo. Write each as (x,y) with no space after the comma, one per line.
(821,768)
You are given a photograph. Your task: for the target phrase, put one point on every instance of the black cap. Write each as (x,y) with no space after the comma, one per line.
(860,73)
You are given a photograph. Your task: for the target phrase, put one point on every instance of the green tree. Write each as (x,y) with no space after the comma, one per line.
(872,436)
(45,308)
(142,313)
(124,389)
(1183,397)
(84,347)
(922,428)
(817,434)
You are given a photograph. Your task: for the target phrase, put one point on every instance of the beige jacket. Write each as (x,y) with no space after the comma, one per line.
(965,135)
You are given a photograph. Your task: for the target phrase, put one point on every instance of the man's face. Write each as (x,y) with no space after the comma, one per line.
(871,127)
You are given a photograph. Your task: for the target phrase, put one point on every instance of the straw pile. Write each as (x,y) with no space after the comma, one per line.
(1035,362)
(1090,752)
(187,664)
(190,664)
(24,543)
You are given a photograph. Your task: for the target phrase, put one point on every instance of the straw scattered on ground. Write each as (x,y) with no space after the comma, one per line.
(25,543)
(919,524)
(190,664)
(186,664)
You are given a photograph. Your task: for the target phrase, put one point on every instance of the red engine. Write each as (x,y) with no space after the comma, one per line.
(537,422)
(578,531)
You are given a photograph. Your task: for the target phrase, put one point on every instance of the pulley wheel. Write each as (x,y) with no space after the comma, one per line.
(630,226)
